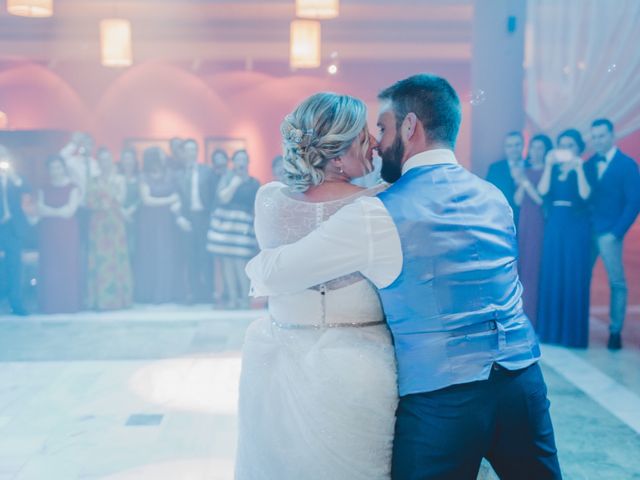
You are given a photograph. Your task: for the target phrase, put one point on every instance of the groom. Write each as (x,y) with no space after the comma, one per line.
(440,246)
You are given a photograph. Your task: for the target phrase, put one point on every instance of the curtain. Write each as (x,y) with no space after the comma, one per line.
(582,61)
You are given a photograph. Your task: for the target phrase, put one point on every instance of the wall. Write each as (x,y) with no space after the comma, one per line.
(163,100)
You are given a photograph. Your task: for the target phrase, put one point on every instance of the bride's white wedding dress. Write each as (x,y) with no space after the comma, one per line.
(318,386)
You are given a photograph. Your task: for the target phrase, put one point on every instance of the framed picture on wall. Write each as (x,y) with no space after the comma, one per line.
(228,144)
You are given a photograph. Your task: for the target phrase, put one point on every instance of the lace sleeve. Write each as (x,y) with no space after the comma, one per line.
(267,216)
(280,219)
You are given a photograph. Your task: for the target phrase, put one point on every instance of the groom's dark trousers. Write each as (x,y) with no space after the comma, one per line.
(444,434)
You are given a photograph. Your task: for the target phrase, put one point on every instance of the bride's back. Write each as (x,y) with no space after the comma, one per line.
(281,219)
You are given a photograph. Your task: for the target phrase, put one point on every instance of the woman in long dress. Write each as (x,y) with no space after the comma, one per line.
(318,385)
(155,261)
(59,289)
(563,313)
(531,223)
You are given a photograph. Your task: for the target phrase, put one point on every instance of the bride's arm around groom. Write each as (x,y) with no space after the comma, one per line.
(361,237)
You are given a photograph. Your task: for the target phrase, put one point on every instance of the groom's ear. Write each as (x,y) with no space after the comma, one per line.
(409,125)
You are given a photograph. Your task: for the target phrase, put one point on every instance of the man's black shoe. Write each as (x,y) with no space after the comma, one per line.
(615,342)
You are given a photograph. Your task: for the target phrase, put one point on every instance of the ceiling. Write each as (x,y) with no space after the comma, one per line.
(203,31)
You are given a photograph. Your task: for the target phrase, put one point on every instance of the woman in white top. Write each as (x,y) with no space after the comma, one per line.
(318,385)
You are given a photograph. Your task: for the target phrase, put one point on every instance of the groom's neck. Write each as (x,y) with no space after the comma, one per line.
(417,148)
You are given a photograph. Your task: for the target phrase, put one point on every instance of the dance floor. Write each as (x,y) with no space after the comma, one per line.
(151,394)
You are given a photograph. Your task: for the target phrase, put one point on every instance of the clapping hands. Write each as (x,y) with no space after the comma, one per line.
(518,175)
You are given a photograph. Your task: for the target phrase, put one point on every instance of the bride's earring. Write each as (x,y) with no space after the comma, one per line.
(339,169)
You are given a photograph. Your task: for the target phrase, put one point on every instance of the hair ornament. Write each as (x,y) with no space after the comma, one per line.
(300,137)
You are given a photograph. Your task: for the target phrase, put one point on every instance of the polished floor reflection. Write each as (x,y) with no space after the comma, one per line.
(151,394)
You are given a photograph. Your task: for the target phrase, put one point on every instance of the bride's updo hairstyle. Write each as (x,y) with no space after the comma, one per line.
(321,128)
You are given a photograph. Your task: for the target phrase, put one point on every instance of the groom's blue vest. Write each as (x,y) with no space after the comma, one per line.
(455,308)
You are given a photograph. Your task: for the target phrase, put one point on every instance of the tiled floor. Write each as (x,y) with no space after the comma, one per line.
(151,394)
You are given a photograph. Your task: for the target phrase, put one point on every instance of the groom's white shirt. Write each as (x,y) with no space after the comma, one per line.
(361,237)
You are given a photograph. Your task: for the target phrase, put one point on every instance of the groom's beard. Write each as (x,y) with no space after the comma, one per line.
(392,161)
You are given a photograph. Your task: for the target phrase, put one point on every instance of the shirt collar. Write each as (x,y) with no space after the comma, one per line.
(430,157)
(611,153)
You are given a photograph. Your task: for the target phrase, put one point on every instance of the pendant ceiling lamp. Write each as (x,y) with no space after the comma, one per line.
(115,42)
(30,8)
(318,9)
(305,44)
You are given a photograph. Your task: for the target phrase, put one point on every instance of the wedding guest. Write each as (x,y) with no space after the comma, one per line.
(277,168)
(110,283)
(81,167)
(531,223)
(220,167)
(59,277)
(177,166)
(503,172)
(79,161)
(615,203)
(155,266)
(175,160)
(195,184)
(129,169)
(231,235)
(563,312)
(13,229)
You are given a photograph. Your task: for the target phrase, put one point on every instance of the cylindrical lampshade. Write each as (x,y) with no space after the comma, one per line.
(30,8)
(305,44)
(115,42)
(321,9)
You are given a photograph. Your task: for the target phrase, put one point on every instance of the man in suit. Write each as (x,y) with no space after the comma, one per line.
(615,203)
(506,173)
(175,160)
(13,227)
(196,192)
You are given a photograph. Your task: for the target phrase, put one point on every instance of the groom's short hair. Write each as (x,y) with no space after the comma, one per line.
(434,102)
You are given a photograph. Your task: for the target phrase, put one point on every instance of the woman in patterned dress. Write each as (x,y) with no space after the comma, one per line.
(110,284)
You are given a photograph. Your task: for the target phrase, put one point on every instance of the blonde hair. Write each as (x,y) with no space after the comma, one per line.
(320,129)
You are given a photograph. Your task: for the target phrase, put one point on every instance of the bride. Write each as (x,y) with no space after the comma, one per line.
(318,385)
